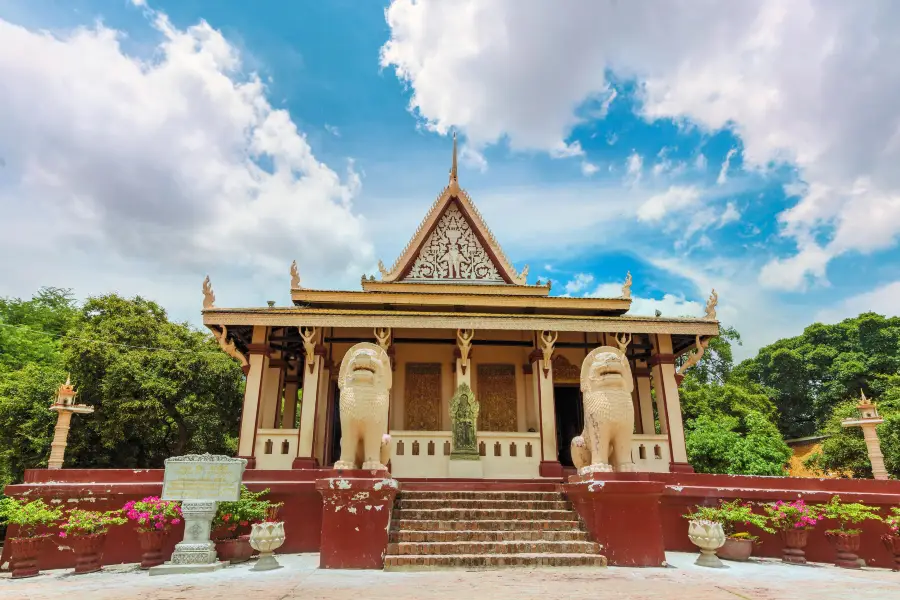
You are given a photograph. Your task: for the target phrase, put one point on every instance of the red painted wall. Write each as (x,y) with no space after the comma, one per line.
(108,489)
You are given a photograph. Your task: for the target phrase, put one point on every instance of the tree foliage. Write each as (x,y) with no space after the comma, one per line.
(158,388)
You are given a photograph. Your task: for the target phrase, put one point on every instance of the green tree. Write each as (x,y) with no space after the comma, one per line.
(749,445)
(809,375)
(30,329)
(159,388)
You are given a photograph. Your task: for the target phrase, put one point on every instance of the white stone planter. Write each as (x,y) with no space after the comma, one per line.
(709,537)
(266,538)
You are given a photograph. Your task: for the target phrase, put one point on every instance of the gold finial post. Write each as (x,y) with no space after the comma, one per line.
(64,407)
(453,173)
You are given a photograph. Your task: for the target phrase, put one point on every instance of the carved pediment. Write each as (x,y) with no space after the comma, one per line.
(453,244)
(453,252)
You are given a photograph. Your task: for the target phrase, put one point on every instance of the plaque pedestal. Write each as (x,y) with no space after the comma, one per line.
(196,553)
(465,468)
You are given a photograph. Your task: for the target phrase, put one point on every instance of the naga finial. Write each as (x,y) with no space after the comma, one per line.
(384,272)
(626,288)
(711,305)
(694,357)
(209,297)
(295,276)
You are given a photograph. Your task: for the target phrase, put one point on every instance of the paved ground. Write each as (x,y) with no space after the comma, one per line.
(300,579)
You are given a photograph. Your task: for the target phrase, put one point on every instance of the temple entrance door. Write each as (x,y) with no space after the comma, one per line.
(569,419)
(334,450)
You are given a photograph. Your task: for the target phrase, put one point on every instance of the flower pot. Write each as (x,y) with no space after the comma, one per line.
(794,543)
(234,550)
(88,551)
(892,543)
(267,537)
(709,537)
(151,547)
(24,553)
(846,545)
(736,549)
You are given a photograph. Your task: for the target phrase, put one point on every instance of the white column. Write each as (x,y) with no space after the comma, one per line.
(259,362)
(60,440)
(271,395)
(874,447)
(645,398)
(311,376)
(543,390)
(667,393)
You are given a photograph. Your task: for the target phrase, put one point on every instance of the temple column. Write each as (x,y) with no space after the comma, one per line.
(645,397)
(323,403)
(542,375)
(662,362)
(271,395)
(312,371)
(291,386)
(258,351)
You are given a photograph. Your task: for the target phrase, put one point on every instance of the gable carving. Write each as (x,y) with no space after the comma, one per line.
(453,252)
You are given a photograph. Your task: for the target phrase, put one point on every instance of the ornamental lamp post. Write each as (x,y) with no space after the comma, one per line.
(868,420)
(64,407)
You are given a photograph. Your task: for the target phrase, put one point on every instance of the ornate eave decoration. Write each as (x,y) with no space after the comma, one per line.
(228,346)
(564,371)
(464,339)
(694,357)
(711,306)
(209,297)
(548,339)
(451,196)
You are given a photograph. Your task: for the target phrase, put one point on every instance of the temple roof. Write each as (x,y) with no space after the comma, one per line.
(453,245)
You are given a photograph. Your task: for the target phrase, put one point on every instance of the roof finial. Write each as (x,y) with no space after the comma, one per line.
(453,178)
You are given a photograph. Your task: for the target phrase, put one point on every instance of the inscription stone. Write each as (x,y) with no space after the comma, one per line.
(200,482)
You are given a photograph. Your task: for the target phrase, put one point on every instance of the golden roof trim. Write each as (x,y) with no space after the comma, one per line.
(453,298)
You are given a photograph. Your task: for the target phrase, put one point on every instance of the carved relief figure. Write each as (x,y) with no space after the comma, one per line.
(606,386)
(365,382)
(453,251)
(464,415)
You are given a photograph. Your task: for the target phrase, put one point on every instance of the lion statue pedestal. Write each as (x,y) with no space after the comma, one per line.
(606,387)
(358,499)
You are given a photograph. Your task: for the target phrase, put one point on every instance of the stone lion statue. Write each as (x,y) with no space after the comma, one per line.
(606,387)
(365,382)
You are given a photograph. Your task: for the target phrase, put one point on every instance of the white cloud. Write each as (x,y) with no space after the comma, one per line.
(588,168)
(700,162)
(579,283)
(729,215)
(809,82)
(723,171)
(882,300)
(471,157)
(634,165)
(563,150)
(332,130)
(112,158)
(669,305)
(676,198)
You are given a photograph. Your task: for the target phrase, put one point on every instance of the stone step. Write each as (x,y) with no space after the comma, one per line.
(479,495)
(526,535)
(477,514)
(569,524)
(413,562)
(472,547)
(436,503)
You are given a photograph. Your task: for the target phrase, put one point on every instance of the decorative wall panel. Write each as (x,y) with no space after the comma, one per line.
(422,402)
(497,395)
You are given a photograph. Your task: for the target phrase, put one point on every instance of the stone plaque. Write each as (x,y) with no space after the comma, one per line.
(203,477)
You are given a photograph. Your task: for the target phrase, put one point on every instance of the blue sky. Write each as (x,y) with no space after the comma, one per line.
(696,146)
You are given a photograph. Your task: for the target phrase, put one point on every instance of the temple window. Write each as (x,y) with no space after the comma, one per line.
(285,447)
(528,450)
(430,447)
(642,452)
(400,448)
(268,447)
(446,448)
(512,448)
(415,448)
(496,448)
(482,451)
(657,451)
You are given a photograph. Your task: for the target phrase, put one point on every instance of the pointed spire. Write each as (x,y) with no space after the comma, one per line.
(453,178)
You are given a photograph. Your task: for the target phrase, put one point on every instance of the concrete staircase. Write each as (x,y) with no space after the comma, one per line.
(487,529)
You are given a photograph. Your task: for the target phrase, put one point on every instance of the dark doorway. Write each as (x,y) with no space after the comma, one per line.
(569,420)
(335,450)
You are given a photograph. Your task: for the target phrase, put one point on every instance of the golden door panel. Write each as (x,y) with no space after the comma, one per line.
(497,397)
(422,404)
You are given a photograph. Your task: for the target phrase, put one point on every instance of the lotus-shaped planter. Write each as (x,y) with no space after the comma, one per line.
(267,537)
(709,537)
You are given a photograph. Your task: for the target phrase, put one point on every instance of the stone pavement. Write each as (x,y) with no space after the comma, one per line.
(765,579)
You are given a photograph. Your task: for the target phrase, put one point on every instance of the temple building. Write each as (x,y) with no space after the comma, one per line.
(452,309)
